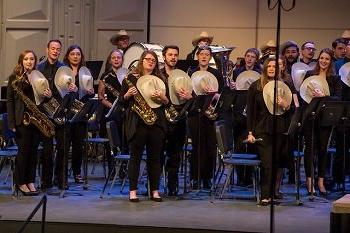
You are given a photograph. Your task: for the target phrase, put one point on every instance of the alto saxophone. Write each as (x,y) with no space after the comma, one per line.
(171,114)
(141,107)
(37,118)
(114,91)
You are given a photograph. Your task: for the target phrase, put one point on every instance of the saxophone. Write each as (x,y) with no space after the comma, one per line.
(114,91)
(210,111)
(141,107)
(37,118)
(171,114)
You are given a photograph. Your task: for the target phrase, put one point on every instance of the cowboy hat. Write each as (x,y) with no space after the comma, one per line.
(346,34)
(85,81)
(312,83)
(178,79)
(283,91)
(200,79)
(269,44)
(64,76)
(146,85)
(203,35)
(120,34)
(245,79)
(344,73)
(299,70)
(287,44)
(39,85)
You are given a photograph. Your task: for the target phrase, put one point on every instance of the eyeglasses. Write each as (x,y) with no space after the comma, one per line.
(310,48)
(150,59)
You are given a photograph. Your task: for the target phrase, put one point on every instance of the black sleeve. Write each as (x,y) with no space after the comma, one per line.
(11,103)
(124,89)
(336,82)
(251,107)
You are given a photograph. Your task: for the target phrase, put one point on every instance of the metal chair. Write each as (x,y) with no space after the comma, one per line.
(113,138)
(230,160)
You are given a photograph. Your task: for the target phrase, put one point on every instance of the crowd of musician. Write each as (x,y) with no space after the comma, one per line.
(157,107)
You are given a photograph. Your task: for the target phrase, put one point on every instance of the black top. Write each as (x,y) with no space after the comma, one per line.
(132,119)
(259,119)
(15,105)
(201,102)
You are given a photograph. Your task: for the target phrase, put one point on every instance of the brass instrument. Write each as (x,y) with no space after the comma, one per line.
(114,91)
(141,107)
(171,114)
(76,106)
(210,111)
(37,118)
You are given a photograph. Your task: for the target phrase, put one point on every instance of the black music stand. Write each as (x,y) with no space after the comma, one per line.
(186,65)
(330,113)
(63,112)
(83,116)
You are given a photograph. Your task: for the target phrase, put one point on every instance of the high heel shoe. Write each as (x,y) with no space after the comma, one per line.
(156,199)
(323,194)
(24,193)
(136,199)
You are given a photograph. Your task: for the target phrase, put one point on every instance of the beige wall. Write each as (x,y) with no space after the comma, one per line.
(90,23)
(246,23)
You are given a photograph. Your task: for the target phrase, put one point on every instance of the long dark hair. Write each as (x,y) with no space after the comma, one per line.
(331,69)
(19,69)
(140,70)
(264,77)
(70,49)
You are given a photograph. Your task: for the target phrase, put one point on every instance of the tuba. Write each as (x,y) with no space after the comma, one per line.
(35,117)
(141,107)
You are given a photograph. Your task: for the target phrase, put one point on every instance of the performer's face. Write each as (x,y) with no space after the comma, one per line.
(204,57)
(291,54)
(324,61)
(271,69)
(149,63)
(74,57)
(28,62)
(54,50)
(308,51)
(116,60)
(250,59)
(339,51)
(123,42)
(171,57)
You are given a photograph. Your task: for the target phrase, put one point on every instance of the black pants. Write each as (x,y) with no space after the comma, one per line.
(77,136)
(153,138)
(27,138)
(202,132)
(268,162)
(320,143)
(338,163)
(47,161)
(175,140)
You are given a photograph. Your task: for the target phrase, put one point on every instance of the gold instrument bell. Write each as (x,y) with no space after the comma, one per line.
(147,85)
(245,79)
(201,79)
(283,91)
(299,70)
(312,83)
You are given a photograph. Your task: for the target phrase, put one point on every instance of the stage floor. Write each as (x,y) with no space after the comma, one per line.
(237,212)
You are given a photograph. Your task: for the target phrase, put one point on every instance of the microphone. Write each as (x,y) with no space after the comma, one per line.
(256,140)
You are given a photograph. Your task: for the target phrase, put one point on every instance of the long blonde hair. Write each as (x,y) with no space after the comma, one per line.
(264,78)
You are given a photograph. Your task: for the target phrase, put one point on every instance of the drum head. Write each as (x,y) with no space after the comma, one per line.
(134,51)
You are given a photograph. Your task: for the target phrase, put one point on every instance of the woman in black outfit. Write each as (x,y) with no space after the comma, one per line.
(325,69)
(201,128)
(140,134)
(260,125)
(27,136)
(74,58)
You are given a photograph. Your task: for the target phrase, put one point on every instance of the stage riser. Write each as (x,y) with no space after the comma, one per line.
(54,227)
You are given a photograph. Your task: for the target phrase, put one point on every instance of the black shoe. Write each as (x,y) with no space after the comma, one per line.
(134,199)
(195,185)
(278,196)
(172,193)
(157,199)
(323,194)
(206,184)
(309,193)
(265,202)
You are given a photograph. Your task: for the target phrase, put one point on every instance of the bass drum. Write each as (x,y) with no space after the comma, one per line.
(133,53)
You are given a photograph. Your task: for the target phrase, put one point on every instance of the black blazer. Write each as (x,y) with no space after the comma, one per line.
(15,106)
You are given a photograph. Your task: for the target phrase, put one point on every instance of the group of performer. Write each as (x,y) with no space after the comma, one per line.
(158,108)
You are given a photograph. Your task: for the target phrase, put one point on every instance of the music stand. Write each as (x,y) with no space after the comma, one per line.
(330,115)
(83,116)
(95,68)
